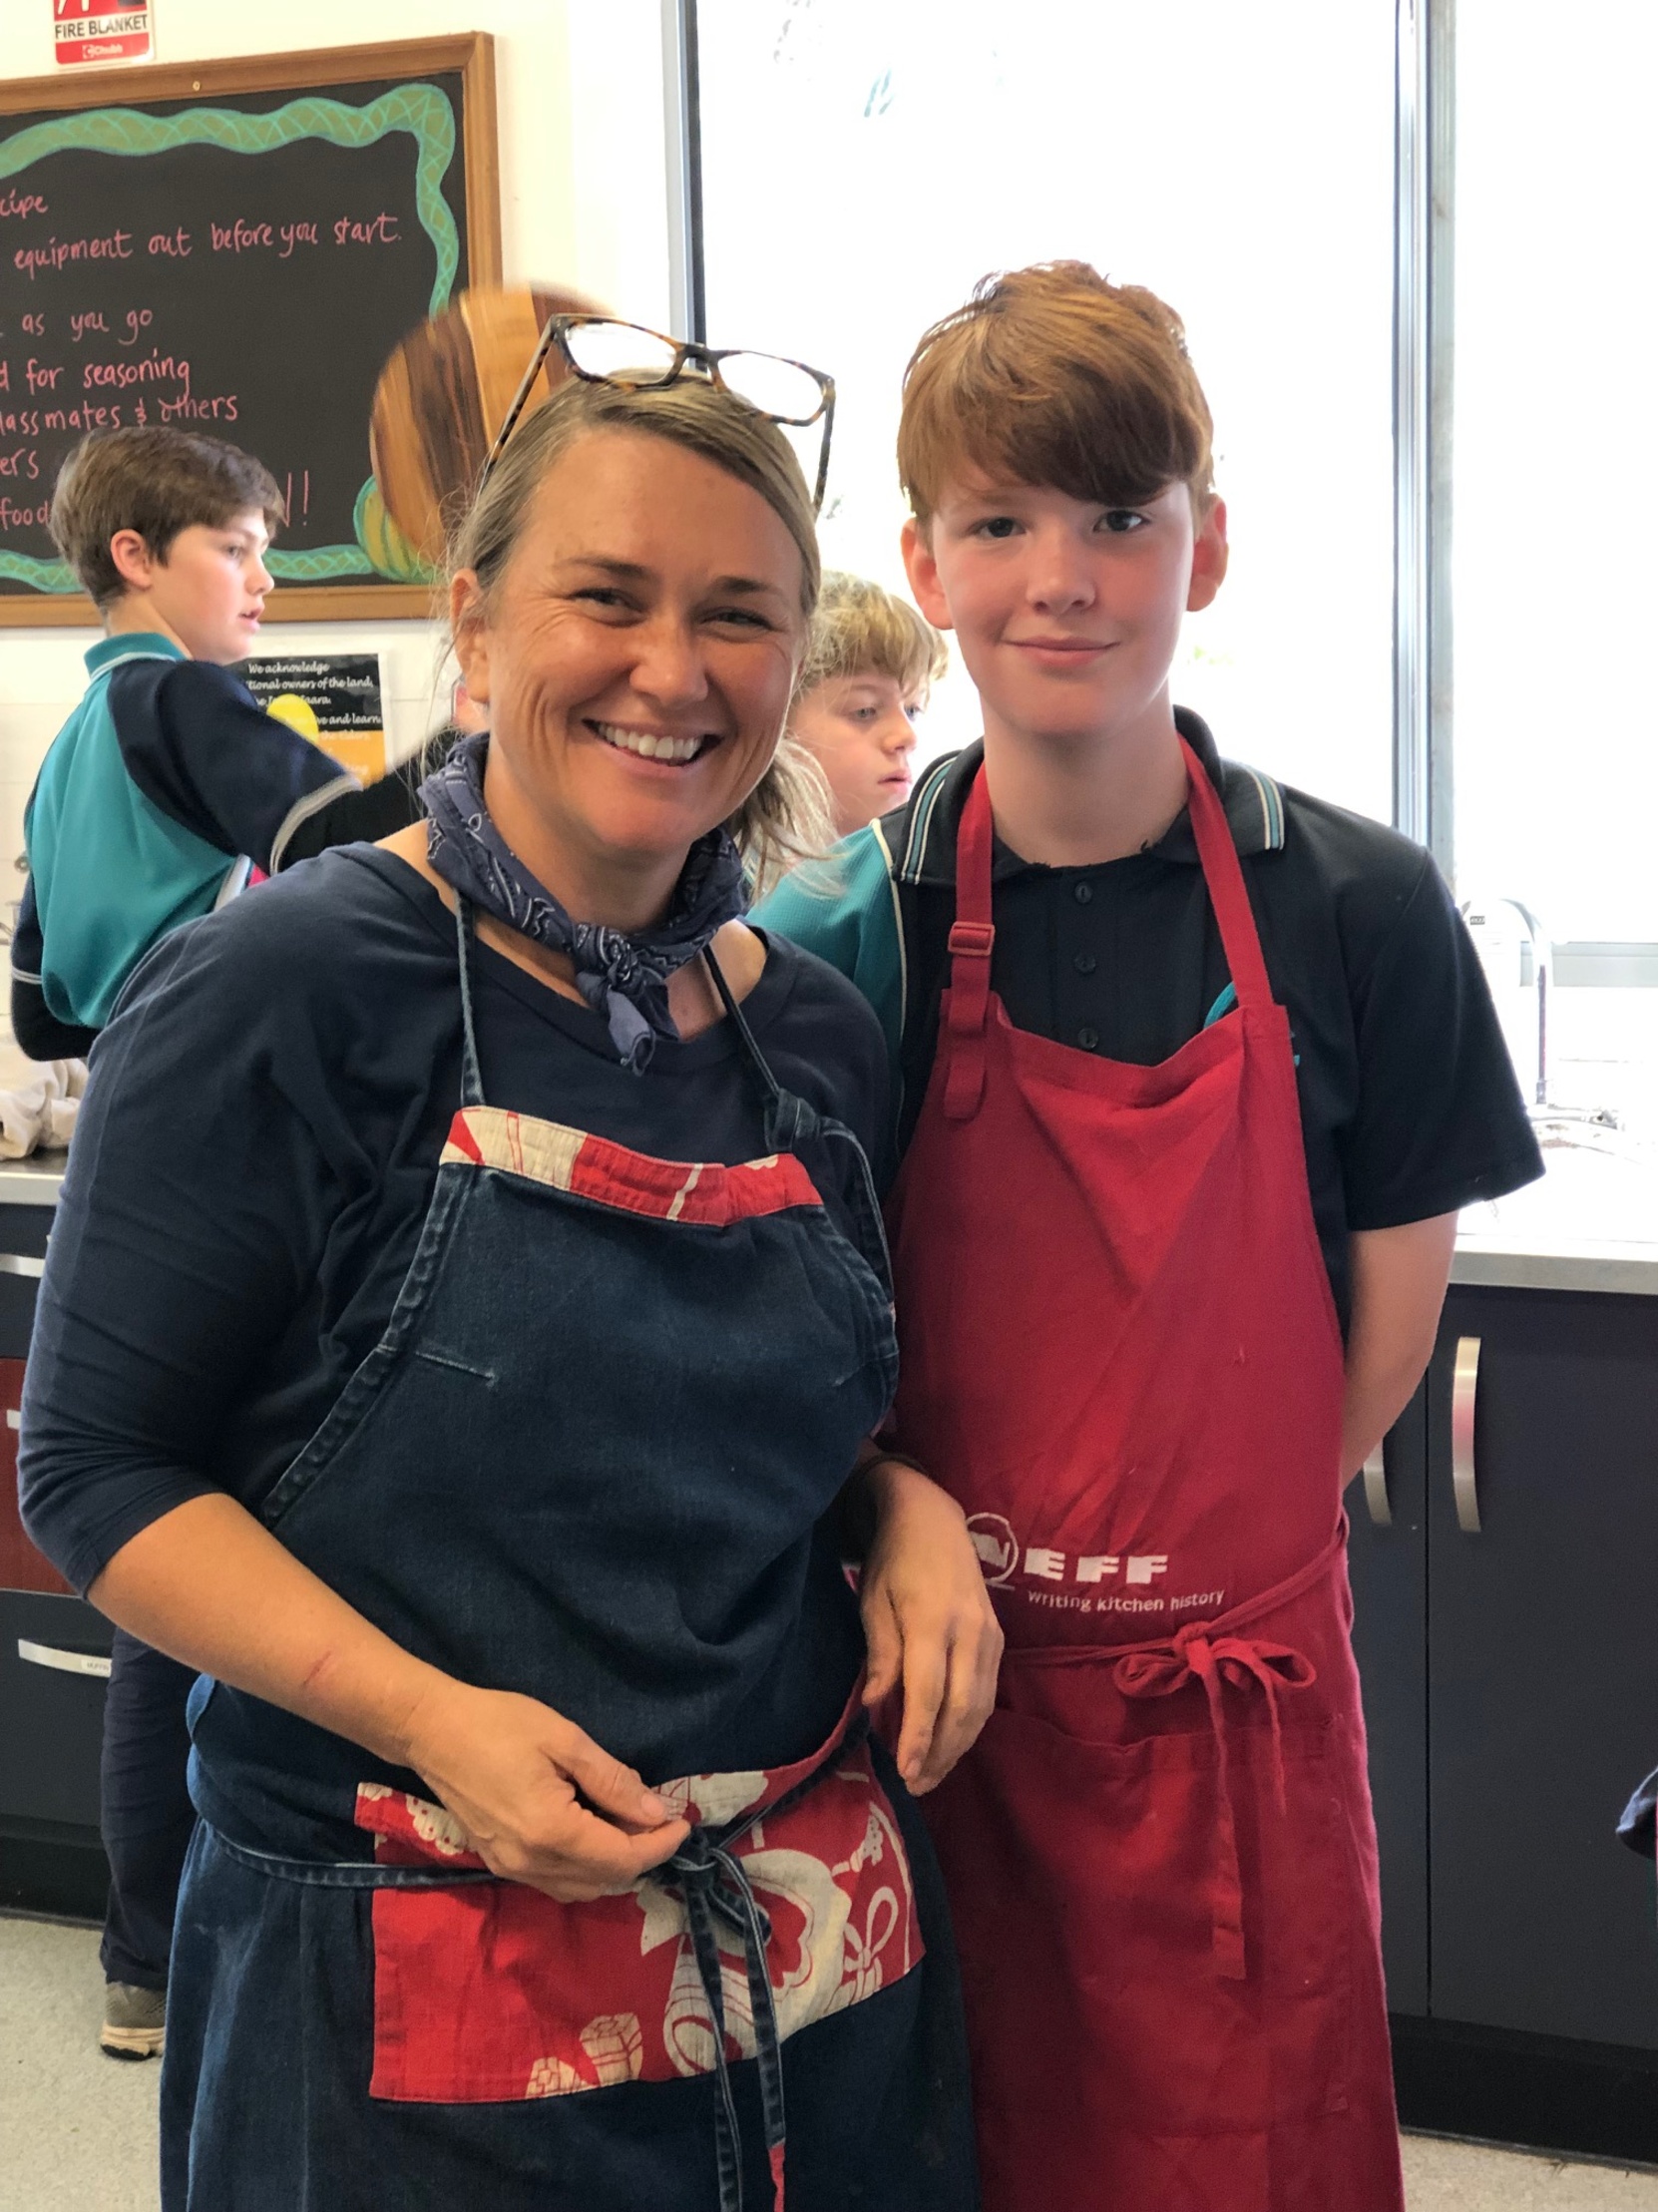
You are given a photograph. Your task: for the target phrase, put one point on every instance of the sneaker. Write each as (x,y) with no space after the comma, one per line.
(134,2020)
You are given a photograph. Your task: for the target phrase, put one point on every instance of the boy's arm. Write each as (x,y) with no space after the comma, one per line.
(39,1032)
(1399,1285)
(360,816)
(201,748)
(1440,1125)
(843,908)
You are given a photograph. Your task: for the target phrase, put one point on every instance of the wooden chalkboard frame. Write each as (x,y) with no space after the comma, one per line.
(471,56)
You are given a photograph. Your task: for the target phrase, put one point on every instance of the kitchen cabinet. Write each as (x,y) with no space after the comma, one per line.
(1507,1639)
(53,1648)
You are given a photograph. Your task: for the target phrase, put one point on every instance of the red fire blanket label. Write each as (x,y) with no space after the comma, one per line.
(91,31)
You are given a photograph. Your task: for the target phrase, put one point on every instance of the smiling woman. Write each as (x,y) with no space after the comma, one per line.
(703,660)
(495,1462)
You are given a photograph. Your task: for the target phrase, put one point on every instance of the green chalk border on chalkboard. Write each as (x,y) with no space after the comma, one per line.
(421,110)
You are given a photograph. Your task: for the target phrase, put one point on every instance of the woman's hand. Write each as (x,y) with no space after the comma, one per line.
(541,1803)
(929,1621)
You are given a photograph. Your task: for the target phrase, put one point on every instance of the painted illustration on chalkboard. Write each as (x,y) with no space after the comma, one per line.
(240,265)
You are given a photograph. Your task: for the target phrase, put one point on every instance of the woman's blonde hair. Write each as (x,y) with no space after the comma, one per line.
(787,819)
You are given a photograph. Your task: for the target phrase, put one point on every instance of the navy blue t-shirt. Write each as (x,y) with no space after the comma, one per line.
(257,1148)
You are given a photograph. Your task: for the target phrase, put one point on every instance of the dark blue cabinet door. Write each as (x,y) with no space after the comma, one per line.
(54,1661)
(1543,1666)
(1388,1561)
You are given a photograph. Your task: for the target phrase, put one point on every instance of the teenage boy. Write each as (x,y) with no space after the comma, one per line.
(161,790)
(1194,1074)
(870,663)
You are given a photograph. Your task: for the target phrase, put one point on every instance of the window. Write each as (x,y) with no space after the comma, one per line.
(1553,570)
(865,162)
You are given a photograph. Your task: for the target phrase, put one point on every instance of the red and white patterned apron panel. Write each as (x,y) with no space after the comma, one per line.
(701,1192)
(494,1990)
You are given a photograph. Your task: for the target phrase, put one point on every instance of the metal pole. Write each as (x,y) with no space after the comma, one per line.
(1411,422)
(684,170)
(1441,380)
(1424,363)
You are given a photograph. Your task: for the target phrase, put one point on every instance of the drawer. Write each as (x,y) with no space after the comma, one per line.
(21,1565)
(54,1661)
(23,1234)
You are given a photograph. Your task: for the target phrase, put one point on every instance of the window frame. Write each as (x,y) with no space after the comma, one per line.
(1424,173)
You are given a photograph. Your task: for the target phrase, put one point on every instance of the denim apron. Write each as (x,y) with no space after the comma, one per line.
(593,1460)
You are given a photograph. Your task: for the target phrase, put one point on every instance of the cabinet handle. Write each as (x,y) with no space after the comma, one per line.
(14,1264)
(1464,1404)
(1376,1489)
(66,1662)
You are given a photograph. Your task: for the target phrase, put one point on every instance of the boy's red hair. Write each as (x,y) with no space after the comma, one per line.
(1053,375)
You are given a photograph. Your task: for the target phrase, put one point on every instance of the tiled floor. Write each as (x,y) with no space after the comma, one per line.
(79,2129)
(1458,2177)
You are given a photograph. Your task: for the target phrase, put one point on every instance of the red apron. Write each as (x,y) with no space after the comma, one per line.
(1122,1355)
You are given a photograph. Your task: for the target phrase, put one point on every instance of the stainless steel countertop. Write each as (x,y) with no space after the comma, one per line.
(35,1181)
(1590,1224)
(1628,1269)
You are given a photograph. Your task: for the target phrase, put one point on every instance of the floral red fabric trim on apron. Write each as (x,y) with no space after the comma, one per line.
(588,1167)
(541,1999)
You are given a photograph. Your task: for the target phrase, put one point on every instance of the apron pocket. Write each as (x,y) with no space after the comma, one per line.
(488,1994)
(490,1991)
(1085,1881)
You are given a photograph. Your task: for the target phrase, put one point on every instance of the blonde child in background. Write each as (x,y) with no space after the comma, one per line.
(870,665)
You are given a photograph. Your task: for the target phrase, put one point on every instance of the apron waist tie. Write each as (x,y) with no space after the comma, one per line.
(1214,1652)
(714,1882)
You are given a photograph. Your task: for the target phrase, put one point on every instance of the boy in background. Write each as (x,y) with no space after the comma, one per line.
(1181,1157)
(169,782)
(163,790)
(870,661)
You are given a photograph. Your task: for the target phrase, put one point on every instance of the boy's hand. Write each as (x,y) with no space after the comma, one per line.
(929,1621)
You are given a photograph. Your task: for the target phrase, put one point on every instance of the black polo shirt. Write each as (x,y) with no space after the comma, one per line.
(1409,1103)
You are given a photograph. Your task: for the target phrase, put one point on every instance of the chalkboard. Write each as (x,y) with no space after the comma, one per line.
(236,247)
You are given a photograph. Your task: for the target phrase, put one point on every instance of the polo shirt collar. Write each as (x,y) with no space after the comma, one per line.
(922,837)
(132,644)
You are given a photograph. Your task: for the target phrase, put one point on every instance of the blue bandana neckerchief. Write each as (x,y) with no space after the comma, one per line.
(623,978)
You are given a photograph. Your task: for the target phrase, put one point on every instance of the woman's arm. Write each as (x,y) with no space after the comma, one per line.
(1399,1285)
(931,1627)
(208,1584)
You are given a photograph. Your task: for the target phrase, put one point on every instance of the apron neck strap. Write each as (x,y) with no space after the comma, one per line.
(472,1082)
(972,937)
(784,1127)
(972,941)
(1228,893)
(790,1121)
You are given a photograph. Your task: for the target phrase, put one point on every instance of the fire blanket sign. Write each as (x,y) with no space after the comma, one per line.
(86,32)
